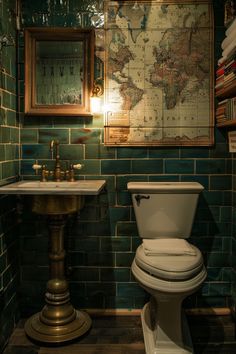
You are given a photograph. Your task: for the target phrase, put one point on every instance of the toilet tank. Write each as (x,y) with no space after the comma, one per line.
(165,209)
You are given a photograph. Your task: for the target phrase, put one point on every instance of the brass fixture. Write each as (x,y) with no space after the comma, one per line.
(44,171)
(58,322)
(58,174)
(57,204)
(97,92)
(6,41)
(97,87)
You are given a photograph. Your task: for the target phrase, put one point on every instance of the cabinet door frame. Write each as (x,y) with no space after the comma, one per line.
(85,38)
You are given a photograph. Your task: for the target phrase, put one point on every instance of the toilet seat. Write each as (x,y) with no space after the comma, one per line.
(167,286)
(170,267)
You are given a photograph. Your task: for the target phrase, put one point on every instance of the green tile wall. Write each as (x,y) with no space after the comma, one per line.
(9,170)
(102,240)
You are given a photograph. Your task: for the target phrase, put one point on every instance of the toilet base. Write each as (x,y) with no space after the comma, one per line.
(153,341)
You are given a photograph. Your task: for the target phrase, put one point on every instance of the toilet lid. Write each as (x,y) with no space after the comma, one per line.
(170,266)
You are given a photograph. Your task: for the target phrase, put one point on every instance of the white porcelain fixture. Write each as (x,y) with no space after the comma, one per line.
(166,265)
(80,187)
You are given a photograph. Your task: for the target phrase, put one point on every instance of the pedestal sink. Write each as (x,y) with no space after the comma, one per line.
(58,322)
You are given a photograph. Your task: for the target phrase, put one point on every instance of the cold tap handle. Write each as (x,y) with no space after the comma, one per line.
(77,166)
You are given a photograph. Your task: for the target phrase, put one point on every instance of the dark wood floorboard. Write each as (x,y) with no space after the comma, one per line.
(123,335)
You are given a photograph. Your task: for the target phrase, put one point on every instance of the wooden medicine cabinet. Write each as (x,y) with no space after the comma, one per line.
(58,71)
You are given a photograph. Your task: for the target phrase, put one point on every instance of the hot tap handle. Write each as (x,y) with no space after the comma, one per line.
(36,166)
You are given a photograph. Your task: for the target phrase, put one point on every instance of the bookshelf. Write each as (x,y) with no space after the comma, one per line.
(226,95)
(226,108)
(225,88)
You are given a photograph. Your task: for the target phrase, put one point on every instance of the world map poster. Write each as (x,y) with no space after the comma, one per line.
(159,80)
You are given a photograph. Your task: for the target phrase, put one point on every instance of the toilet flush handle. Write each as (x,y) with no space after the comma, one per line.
(138,197)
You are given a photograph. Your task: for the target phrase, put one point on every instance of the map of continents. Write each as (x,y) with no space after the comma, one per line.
(158,73)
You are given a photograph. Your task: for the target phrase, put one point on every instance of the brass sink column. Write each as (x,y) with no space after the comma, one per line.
(58,322)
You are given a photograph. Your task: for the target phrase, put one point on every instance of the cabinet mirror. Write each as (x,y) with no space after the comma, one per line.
(58,71)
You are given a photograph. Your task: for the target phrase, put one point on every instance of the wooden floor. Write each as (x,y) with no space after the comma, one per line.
(123,335)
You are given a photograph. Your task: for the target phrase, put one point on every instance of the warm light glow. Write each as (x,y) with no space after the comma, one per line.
(96,104)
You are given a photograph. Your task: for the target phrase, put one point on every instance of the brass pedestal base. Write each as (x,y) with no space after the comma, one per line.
(42,332)
(58,322)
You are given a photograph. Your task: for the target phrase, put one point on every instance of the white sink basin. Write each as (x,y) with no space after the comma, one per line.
(81,187)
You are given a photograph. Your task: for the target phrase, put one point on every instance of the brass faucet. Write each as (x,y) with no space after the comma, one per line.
(44,171)
(57,173)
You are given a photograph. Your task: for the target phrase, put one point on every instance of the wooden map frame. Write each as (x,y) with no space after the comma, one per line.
(118,129)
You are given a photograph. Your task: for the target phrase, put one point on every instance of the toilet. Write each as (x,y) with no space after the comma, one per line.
(166,265)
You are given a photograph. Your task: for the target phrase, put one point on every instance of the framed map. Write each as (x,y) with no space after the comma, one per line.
(159,80)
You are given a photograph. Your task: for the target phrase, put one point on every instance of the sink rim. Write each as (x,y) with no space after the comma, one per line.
(78,187)
(50,184)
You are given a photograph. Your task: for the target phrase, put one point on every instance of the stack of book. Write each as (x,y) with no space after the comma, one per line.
(225,87)
(226,110)
(226,72)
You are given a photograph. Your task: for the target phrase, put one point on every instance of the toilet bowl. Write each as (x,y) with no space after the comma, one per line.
(166,265)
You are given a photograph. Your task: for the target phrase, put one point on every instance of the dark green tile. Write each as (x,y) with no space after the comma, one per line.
(221,182)
(2,152)
(129,289)
(225,214)
(118,214)
(221,229)
(5,134)
(221,288)
(12,152)
(85,136)
(164,178)
(147,166)
(29,135)
(101,288)
(179,166)
(162,152)
(127,229)
(120,302)
(14,136)
(84,244)
(36,151)
(213,197)
(71,152)
(218,259)
(132,153)
(90,167)
(11,118)
(116,244)
(124,259)
(210,166)
(115,166)
(46,135)
(10,169)
(195,152)
(85,274)
(10,84)
(203,180)
(30,271)
(220,150)
(115,274)
(101,259)
(93,151)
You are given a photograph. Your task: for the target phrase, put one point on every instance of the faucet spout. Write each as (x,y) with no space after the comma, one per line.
(57,170)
